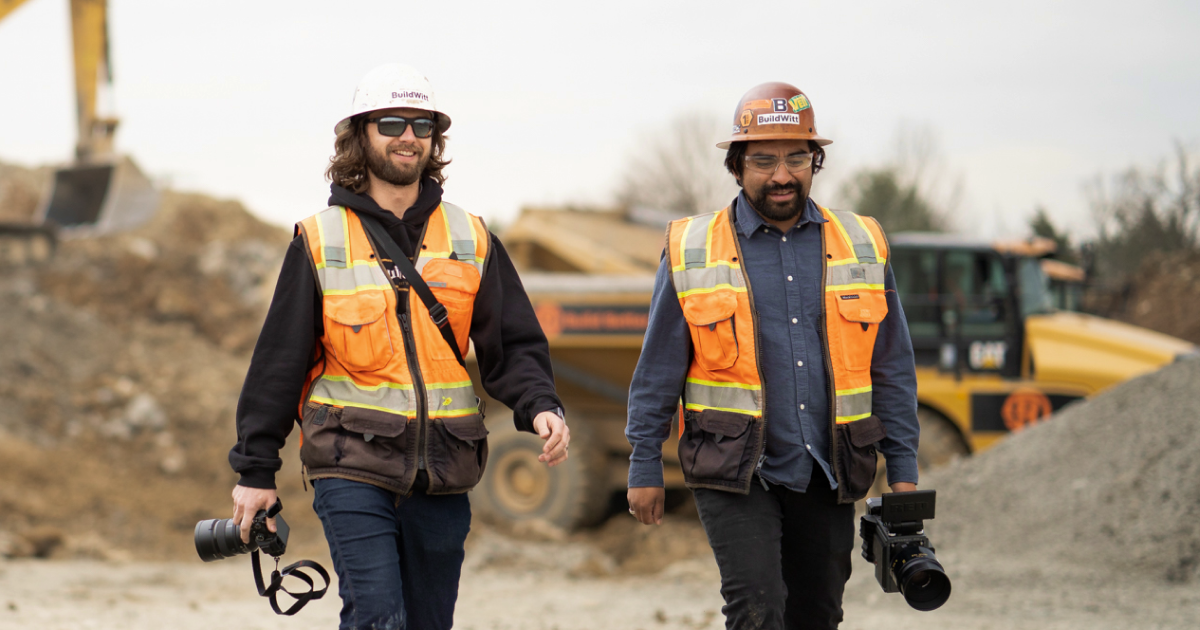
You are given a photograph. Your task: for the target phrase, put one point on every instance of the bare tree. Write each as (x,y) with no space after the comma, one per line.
(679,171)
(912,190)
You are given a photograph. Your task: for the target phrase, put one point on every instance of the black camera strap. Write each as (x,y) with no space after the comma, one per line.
(437,312)
(291,570)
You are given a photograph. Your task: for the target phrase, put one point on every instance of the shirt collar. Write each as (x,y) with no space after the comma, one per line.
(750,221)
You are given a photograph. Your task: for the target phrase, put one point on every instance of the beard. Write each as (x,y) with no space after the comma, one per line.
(382,166)
(785,211)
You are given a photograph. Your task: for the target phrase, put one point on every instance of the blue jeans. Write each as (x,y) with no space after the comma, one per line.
(397,565)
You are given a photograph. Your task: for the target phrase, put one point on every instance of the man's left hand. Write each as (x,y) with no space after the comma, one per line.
(903,486)
(554,430)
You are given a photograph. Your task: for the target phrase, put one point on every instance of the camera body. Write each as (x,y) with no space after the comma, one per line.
(893,539)
(217,539)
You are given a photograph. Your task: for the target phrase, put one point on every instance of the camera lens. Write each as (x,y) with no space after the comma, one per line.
(921,578)
(217,539)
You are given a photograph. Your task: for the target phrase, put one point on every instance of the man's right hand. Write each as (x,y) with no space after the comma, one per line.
(646,504)
(247,502)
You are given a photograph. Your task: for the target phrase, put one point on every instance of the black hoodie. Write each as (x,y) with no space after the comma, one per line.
(510,347)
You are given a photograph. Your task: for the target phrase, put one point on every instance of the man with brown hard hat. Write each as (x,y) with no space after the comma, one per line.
(776,321)
(366,348)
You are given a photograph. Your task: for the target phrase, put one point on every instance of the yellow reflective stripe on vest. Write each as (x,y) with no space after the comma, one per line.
(460,227)
(852,404)
(850,226)
(336,275)
(698,273)
(736,397)
(397,398)
(452,400)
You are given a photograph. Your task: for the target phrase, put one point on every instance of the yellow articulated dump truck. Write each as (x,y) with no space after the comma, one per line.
(996,350)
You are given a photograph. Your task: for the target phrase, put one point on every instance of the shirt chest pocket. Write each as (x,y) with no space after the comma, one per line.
(712,323)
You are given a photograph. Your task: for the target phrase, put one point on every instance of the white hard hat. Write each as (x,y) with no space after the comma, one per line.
(394,85)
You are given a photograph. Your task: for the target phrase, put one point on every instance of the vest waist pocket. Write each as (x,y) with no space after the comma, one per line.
(718,447)
(857,458)
(456,454)
(367,440)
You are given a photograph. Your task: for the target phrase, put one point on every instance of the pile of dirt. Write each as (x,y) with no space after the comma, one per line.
(123,361)
(20,189)
(1110,485)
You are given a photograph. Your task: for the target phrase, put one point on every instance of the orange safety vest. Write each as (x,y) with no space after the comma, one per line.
(365,367)
(724,380)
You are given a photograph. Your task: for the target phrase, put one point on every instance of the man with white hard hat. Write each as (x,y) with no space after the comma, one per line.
(364,340)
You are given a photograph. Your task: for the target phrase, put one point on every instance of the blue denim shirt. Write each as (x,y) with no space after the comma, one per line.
(784,271)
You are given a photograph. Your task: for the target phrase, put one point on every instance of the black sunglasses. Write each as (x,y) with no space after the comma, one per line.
(394,126)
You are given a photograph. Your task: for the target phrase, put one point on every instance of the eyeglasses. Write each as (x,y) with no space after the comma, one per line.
(394,126)
(769,163)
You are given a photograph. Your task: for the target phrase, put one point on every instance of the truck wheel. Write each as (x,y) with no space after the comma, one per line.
(940,441)
(517,487)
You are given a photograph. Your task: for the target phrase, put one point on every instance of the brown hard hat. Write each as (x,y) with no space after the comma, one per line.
(774,111)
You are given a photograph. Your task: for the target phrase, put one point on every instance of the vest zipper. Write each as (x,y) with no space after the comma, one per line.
(760,453)
(831,387)
(414,368)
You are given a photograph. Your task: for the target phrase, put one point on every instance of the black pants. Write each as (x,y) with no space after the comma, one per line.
(784,556)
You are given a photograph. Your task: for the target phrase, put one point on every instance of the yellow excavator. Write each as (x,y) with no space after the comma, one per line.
(99,192)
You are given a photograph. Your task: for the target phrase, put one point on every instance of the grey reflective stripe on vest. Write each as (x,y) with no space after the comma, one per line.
(460,227)
(343,392)
(340,276)
(332,224)
(452,400)
(700,395)
(854,274)
(851,407)
(860,239)
(697,274)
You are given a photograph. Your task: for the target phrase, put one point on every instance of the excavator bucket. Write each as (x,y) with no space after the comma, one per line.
(99,198)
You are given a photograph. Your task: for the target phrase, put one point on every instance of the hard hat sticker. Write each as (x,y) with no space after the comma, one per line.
(778,119)
(410,95)
(779,104)
(799,103)
(747,118)
(759,104)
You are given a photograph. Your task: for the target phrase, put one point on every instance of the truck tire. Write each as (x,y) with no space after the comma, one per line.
(940,440)
(517,487)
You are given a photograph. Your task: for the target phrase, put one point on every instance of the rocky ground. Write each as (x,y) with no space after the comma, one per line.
(120,366)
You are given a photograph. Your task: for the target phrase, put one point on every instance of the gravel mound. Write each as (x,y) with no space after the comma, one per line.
(1107,485)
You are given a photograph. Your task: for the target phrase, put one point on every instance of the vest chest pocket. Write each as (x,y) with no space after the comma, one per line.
(713,327)
(861,312)
(358,331)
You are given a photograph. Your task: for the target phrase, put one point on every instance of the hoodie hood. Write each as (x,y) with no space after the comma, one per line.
(407,230)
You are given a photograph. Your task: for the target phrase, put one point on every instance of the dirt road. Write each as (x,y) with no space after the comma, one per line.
(554,585)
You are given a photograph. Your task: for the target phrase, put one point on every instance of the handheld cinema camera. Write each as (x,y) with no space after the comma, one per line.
(893,535)
(217,539)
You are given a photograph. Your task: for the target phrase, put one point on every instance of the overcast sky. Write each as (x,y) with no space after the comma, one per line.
(238,99)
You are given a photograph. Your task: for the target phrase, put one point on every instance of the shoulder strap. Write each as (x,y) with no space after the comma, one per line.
(276,586)
(380,238)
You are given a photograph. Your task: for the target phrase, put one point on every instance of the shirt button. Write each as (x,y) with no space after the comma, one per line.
(766,229)
(794,320)
(808,446)
(800,364)
(802,406)
(789,278)
(785,239)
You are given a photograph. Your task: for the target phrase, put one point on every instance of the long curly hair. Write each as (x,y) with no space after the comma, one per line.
(348,166)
